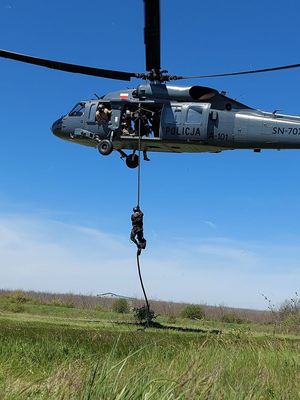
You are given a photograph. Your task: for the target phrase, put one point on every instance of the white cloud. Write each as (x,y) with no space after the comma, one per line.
(210,224)
(43,254)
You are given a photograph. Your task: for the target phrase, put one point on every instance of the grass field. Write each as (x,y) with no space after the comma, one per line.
(56,352)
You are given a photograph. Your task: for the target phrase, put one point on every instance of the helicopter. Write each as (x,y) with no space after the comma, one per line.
(159,117)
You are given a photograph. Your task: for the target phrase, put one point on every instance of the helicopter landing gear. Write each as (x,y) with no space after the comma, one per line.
(105,147)
(132,160)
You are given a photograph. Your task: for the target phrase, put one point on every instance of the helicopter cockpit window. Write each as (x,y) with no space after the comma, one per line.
(78,110)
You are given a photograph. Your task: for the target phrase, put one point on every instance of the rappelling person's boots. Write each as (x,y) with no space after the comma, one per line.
(145,156)
(143,244)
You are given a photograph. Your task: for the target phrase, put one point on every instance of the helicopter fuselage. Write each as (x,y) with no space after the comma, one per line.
(178,120)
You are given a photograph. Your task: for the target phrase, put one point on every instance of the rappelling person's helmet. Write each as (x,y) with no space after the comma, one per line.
(137,208)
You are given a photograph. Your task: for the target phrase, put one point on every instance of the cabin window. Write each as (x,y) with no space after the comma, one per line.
(194,115)
(172,115)
(78,110)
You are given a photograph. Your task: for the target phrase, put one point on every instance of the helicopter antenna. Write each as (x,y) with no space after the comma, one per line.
(95,94)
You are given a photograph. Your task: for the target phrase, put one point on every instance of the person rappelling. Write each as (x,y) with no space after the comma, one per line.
(137,232)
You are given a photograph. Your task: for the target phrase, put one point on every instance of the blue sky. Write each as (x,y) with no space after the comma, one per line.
(221,228)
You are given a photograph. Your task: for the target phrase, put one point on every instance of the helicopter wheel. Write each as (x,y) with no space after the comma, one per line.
(105,147)
(132,161)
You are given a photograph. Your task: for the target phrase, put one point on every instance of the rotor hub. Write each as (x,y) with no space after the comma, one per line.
(157,76)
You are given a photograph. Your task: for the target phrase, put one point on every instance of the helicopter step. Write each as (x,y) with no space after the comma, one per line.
(82,133)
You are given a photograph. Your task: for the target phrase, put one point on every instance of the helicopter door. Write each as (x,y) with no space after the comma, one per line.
(186,122)
(90,121)
(100,128)
(171,122)
(195,122)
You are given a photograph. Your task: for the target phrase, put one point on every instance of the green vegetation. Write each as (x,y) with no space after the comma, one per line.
(231,317)
(121,306)
(52,352)
(193,311)
(143,315)
(50,360)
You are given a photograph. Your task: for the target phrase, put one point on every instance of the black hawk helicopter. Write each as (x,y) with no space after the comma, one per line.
(156,116)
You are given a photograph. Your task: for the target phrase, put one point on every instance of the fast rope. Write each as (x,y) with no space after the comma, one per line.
(138,203)
(139,160)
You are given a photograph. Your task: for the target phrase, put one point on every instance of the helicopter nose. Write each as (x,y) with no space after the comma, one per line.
(56,127)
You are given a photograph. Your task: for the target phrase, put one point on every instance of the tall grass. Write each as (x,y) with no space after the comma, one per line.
(49,361)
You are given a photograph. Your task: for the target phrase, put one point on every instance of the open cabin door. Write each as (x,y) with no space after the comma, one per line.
(185,122)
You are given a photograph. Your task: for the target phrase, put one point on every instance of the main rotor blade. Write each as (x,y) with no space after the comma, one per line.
(79,69)
(253,71)
(152,35)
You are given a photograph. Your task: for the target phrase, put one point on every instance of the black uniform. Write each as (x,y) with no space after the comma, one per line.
(137,234)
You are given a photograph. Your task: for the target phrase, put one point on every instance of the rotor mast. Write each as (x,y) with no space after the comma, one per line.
(152,45)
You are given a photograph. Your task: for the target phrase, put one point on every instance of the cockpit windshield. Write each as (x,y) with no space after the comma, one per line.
(78,110)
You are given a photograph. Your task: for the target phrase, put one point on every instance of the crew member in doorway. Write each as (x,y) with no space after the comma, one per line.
(141,126)
(137,233)
(155,121)
(126,123)
(103,114)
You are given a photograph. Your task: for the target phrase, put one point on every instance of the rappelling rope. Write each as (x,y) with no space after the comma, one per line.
(138,203)
(141,280)
(139,160)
